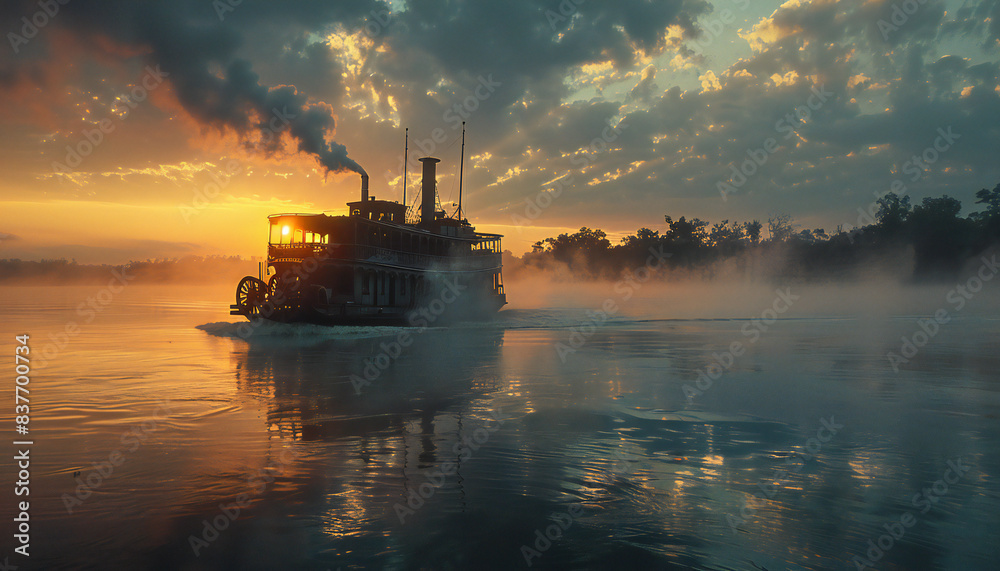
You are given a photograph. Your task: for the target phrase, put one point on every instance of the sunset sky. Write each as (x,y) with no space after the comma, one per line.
(118,117)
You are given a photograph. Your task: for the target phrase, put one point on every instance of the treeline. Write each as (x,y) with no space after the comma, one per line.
(928,241)
(189,269)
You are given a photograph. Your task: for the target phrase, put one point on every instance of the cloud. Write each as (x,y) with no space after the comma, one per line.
(560,75)
(196,47)
(885,100)
(646,87)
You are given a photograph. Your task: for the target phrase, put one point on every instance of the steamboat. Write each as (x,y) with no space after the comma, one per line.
(375,264)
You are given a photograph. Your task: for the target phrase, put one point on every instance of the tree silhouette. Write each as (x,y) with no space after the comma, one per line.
(940,240)
(892,214)
(726,238)
(585,250)
(752,230)
(988,222)
(779,227)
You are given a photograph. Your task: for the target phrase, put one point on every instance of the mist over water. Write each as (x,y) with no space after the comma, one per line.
(696,298)
(464,447)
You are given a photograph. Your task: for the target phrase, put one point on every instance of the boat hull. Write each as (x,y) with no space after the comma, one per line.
(369,294)
(350,314)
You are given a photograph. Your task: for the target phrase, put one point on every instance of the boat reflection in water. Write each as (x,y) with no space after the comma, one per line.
(458,451)
(476,442)
(473,440)
(336,388)
(375,432)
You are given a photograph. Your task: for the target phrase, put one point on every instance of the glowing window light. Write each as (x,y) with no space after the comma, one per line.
(285,231)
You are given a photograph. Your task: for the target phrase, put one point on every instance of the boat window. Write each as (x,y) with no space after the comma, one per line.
(297,239)
(275,237)
(344,283)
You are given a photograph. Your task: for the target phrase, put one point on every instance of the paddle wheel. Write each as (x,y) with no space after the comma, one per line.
(251,294)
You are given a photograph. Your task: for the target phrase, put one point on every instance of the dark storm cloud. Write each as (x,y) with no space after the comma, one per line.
(973,17)
(646,88)
(892,81)
(438,51)
(530,47)
(532,39)
(195,44)
(845,148)
(888,84)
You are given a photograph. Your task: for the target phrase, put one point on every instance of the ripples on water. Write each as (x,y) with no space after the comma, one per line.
(605,442)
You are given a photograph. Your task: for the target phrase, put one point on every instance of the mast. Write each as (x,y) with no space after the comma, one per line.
(406,156)
(461,169)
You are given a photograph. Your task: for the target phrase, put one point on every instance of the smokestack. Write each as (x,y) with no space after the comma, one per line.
(428,190)
(364,187)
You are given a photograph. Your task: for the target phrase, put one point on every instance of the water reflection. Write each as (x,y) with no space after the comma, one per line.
(338,388)
(445,459)
(389,478)
(379,423)
(605,438)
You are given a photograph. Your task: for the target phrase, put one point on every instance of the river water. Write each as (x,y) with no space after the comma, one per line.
(164,437)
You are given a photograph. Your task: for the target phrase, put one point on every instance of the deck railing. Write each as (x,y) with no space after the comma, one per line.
(474,260)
